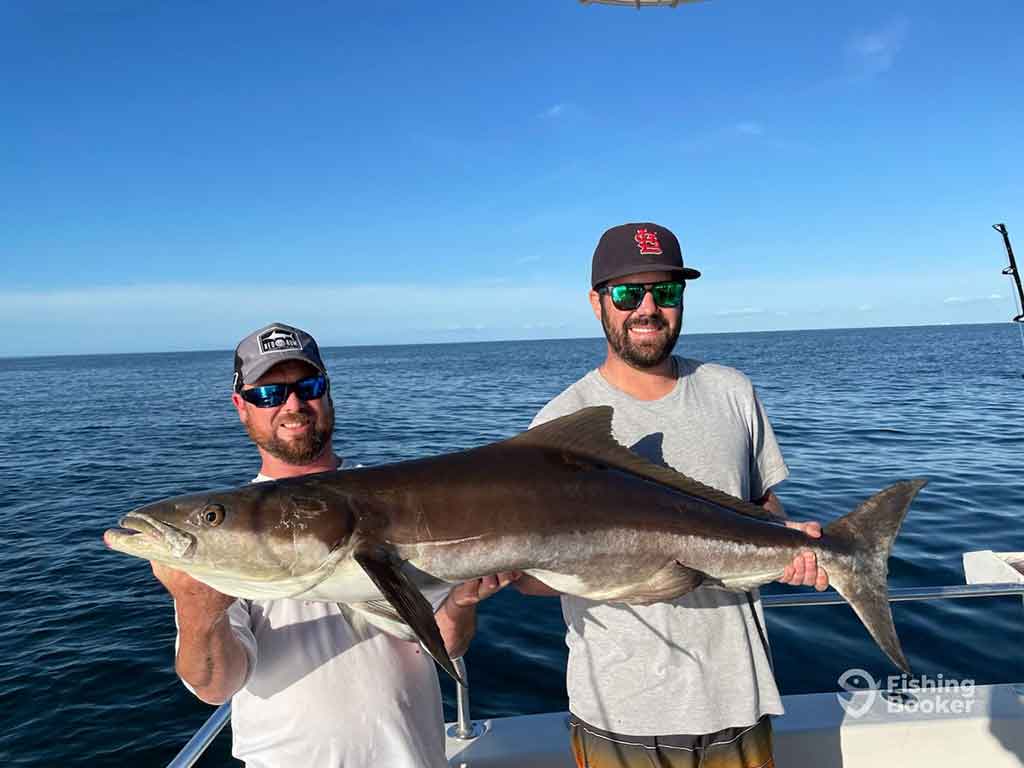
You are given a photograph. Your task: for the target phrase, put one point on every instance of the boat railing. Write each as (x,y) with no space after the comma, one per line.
(897,594)
(202,739)
(466,729)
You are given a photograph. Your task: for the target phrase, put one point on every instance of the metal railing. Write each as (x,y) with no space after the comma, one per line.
(466,729)
(898,594)
(202,739)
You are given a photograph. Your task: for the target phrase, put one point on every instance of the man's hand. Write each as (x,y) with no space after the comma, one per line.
(193,598)
(472,592)
(456,618)
(804,571)
(530,585)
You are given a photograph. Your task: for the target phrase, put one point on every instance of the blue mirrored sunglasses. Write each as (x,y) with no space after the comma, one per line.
(273,395)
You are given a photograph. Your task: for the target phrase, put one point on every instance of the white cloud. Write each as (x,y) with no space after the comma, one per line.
(170,317)
(749,128)
(972,299)
(461,328)
(744,312)
(529,259)
(555,111)
(544,326)
(873,53)
(713,138)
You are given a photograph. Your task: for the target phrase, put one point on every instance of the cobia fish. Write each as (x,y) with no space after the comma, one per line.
(563,502)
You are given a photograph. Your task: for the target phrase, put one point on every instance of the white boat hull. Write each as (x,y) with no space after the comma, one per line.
(940,728)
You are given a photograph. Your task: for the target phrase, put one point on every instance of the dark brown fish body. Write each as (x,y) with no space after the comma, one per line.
(562,502)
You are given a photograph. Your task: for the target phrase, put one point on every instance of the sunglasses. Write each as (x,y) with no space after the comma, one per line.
(273,395)
(627,296)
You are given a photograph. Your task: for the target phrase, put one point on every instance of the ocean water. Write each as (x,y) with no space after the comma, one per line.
(86,635)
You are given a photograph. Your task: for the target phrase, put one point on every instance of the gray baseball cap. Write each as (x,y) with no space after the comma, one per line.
(261,350)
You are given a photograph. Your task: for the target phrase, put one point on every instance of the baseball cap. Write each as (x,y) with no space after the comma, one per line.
(261,350)
(640,247)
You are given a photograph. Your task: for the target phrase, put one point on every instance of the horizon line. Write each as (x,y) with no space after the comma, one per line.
(38,356)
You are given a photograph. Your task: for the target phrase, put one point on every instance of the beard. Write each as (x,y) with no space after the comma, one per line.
(303,449)
(646,354)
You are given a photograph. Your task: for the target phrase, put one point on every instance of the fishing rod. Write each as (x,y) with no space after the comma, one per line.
(1012,270)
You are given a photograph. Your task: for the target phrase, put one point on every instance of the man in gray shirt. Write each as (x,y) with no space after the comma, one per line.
(687,682)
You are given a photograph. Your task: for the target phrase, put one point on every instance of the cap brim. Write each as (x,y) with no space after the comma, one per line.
(276,358)
(634,269)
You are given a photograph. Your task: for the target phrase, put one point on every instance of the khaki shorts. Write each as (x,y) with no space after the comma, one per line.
(749,747)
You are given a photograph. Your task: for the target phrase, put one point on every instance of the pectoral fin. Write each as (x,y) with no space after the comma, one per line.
(380,614)
(407,600)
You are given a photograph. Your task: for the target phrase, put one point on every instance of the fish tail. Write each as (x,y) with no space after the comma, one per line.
(857,563)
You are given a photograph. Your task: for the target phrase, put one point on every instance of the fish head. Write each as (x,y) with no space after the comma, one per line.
(264,540)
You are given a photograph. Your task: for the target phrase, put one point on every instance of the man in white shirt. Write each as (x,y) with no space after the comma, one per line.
(313,684)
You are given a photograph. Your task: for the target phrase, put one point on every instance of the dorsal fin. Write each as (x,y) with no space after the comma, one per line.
(587,434)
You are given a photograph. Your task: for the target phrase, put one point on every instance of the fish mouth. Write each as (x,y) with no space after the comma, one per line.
(146,536)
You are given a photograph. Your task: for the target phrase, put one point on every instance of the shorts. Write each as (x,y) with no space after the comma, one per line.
(747,747)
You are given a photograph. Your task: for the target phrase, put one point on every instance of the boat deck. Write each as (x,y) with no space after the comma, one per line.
(983,726)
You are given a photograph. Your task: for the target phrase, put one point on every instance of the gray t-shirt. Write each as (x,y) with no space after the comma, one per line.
(695,665)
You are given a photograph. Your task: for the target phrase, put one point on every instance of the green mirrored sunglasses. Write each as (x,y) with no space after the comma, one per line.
(627,296)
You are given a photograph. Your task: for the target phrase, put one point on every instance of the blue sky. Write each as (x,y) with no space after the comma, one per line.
(177,174)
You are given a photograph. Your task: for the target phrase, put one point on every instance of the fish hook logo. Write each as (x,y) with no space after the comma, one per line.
(855,681)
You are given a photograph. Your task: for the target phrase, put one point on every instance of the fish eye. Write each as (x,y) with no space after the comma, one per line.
(212,514)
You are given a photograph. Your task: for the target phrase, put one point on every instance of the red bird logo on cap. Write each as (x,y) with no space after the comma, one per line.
(647,242)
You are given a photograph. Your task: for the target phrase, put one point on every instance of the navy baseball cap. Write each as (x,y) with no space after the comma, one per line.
(641,247)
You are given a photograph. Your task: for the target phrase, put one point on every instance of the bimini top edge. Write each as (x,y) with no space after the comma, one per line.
(639,3)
